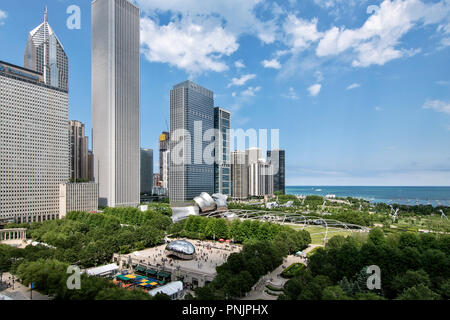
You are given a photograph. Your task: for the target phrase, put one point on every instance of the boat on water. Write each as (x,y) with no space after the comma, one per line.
(318,190)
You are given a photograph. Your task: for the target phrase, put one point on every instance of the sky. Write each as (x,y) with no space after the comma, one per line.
(359,89)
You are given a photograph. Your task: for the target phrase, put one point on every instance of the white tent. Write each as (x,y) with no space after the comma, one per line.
(109,269)
(173,289)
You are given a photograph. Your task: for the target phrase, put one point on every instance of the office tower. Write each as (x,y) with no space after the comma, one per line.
(278,160)
(45,54)
(90,165)
(164,175)
(164,140)
(79,163)
(146,171)
(78,197)
(156,180)
(253,155)
(239,173)
(222,166)
(191,113)
(260,176)
(34,148)
(115,101)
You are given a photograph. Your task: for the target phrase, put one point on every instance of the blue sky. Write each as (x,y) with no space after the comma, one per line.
(359,89)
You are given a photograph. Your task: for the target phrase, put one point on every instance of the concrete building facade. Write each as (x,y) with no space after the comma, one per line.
(239,175)
(78,197)
(79,152)
(34,148)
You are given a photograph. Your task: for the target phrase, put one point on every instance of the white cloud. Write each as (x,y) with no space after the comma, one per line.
(274,63)
(445,42)
(236,16)
(187,45)
(314,90)
(353,86)
(437,105)
(378,108)
(250,92)
(3,16)
(377,40)
(242,80)
(239,64)
(300,34)
(291,94)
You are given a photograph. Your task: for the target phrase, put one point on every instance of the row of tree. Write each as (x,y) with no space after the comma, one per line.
(412,267)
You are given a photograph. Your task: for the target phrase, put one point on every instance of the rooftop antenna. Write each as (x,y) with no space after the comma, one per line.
(167,126)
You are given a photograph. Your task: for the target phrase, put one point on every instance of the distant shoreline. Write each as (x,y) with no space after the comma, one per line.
(402,195)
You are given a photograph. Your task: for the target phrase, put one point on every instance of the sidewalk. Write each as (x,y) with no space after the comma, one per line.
(20,292)
(274,278)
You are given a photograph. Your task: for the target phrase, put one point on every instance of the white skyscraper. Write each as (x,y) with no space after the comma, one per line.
(34,145)
(44,52)
(115,101)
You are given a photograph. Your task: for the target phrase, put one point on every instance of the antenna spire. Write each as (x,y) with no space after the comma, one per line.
(45,14)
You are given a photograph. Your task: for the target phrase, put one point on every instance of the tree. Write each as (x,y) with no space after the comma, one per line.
(334,293)
(418,292)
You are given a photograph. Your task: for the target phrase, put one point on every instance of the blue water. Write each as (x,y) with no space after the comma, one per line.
(435,196)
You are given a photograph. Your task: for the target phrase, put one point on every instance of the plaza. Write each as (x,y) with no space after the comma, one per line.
(194,273)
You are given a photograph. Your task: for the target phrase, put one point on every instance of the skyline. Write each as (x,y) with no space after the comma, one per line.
(360,125)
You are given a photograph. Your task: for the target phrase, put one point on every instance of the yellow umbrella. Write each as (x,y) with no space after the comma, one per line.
(153,283)
(130,276)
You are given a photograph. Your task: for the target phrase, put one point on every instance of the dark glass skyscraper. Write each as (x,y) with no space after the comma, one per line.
(278,160)
(146,170)
(222,166)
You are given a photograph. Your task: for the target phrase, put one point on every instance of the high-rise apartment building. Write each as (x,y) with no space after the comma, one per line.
(146,171)
(90,166)
(222,166)
(164,140)
(278,160)
(45,54)
(164,174)
(34,148)
(79,162)
(115,101)
(191,115)
(239,175)
(260,176)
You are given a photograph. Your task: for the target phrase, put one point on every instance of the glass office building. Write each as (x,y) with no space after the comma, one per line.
(222,166)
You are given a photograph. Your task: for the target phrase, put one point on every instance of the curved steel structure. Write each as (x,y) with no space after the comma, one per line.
(292,218)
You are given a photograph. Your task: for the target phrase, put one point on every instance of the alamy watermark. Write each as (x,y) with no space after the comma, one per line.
(374,280)
(74,280)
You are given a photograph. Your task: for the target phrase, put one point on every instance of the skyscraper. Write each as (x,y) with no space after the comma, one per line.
(260,175)
(164,140)
(278,160)
(222,167)
(239,173)
(79,164)
(146,170)
(115,101)
(34,148)
(191,115)
(45,54)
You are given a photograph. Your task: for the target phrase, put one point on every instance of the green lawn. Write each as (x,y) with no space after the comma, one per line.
(318,232)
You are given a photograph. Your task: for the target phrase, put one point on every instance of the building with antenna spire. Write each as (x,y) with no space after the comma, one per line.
(45,54)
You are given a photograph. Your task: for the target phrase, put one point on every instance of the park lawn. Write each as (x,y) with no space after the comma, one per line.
(318,232)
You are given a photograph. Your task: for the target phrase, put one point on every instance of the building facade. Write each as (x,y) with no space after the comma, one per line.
(260,176)
(222,164)
(164,140)
(146,171)
(34,148)
(79,144)
(191,115)
(45,54)
(115,101)
(278,160)
(239,175)
(164,175)
(78,197)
